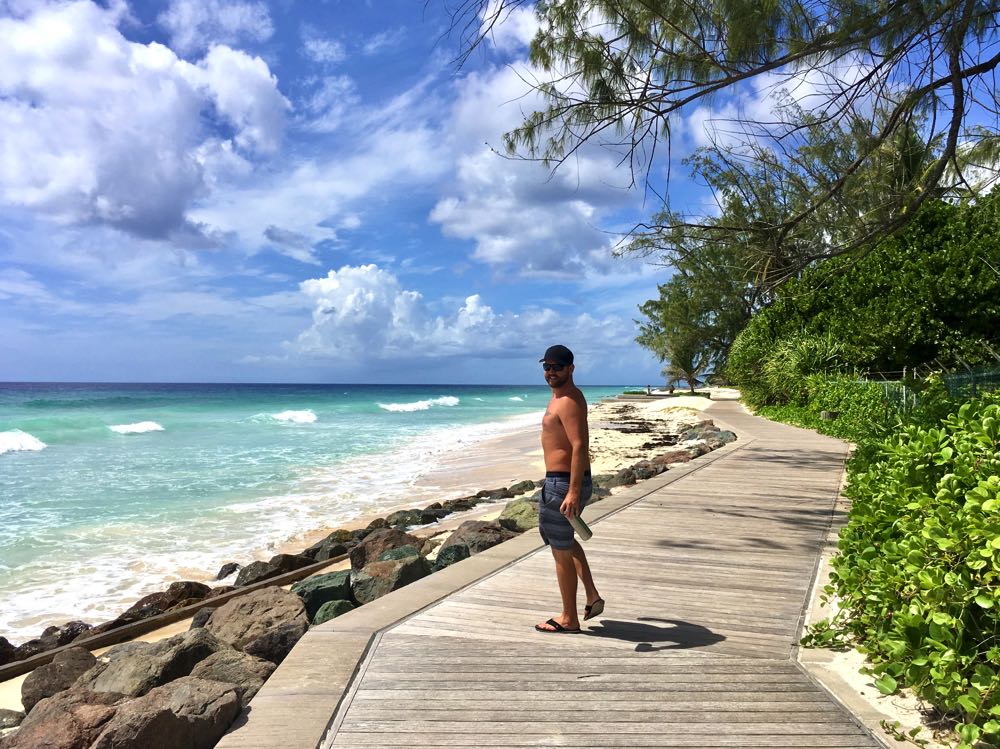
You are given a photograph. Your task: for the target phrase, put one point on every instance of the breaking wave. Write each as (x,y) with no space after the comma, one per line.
(446,400)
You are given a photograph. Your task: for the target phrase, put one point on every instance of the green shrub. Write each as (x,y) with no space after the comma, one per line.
(918,568)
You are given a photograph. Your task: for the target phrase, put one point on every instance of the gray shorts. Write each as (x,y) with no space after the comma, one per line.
(552,524)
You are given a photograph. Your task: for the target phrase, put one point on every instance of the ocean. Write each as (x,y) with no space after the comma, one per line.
(111,491)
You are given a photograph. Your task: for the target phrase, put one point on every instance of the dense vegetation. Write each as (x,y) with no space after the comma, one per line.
(929,296)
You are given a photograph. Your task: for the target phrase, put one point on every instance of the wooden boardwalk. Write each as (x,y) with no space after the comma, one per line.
(706,581)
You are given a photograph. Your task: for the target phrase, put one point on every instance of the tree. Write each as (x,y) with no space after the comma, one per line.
(914,77)
(927,297)
(706,300)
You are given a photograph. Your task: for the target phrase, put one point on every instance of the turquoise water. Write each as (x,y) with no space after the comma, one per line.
(109,491)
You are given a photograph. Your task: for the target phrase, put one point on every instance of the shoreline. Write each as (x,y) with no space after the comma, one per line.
(620,428)
(488,462)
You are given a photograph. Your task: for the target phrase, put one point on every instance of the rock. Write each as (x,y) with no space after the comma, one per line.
(331,610)
(173,597)
(279,564)
(56,676)
(645,469)
(460,505)
(671,458)
(377,524)
(478,535)
(339,536)
(522,487)
(190,713)
(315,591)
(134,668)
(400,552)
(378,578)
(10,718)
(246,619)
(70,719)
(431,545)
(327,551)
(377,542)
(434,506)
(602,479)
(7,651)
(226,570)
(726,436)
(275,644)
(219,591)
(200,617)
(451,554)
(519,516)
(494,494)
(244,671)
(30,648)
(359,535)
(624,477)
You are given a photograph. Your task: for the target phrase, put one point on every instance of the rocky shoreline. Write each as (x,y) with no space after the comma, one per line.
(187,690)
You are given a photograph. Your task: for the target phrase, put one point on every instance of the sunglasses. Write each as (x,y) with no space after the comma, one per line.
(553,367)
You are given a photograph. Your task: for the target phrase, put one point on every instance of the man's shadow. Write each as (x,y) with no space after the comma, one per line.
(676,635)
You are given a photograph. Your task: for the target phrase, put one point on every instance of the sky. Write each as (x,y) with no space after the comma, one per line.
(297,191)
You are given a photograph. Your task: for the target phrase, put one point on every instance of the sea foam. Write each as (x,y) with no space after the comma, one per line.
(18,441)
(515,398)
(446,400)
(295,417)
(138,428)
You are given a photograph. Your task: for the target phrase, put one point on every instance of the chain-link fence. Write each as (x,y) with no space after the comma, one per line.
(972,383)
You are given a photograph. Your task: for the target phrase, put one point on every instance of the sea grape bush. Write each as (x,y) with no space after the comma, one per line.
(918,569)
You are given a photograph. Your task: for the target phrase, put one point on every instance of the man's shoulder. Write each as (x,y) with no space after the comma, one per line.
(572,399)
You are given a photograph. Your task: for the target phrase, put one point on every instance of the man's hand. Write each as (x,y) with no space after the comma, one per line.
(570,506)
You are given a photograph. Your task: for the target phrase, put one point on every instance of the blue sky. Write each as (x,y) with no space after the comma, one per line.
(223,190)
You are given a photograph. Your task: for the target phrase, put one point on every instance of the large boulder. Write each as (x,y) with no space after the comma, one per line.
(134,668)
(52,637)
(279,564)
(522,487)
(478,535)
(327,551)
(377,542)
(275,644)
(226,570)
(448,555)
(400,552)
(190,713)
(315,591)
(519,516)
(178,594)
(7,651)
(70,719)
(270,615)
(244,671)
(624,477)
(646,469)
(461,504)
(331,610)
(64,669)
(671,458)
(378,578)
(10,718)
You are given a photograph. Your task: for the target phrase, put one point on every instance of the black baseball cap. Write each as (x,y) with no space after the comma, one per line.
(558,354)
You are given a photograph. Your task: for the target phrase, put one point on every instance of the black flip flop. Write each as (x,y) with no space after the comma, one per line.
(593,609)
(556,628)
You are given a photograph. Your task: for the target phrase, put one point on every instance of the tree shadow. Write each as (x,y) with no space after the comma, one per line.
(677,635)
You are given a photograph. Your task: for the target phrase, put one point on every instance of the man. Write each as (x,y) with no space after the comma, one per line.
(566,446)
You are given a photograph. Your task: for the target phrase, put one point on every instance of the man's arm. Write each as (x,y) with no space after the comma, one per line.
(574,420)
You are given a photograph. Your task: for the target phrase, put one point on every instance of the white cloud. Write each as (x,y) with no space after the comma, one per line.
(363,312)
(97,129)
(519,214)
(321,49)
(514,27)
(196,25)
(334,98)
(383,40)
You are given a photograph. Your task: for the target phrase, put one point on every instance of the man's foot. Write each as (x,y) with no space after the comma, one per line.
(593,609)
(553,626)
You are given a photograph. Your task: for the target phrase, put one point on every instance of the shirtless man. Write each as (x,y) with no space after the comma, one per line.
(566,446)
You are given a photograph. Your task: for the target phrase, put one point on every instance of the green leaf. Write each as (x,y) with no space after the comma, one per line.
(985,601)
(886,684)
